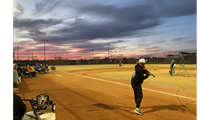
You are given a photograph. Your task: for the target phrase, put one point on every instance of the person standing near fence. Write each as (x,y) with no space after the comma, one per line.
(15,74)
(19,71)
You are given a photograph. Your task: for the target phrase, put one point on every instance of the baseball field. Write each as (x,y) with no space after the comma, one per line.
(103,92)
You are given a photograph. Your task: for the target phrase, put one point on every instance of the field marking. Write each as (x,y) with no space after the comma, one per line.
(130,86)
(58,75)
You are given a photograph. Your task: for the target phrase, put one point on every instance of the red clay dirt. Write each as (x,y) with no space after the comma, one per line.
(84,98)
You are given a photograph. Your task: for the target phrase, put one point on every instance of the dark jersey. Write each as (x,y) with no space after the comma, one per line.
(172,64)
(138,75)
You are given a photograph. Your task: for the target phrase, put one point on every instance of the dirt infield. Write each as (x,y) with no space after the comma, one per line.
(81,94)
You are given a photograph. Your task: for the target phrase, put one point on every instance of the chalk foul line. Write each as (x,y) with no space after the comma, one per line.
(58,75)
(130,86)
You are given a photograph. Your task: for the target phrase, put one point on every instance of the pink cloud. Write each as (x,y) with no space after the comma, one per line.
(192,41)
(177,39)
(153,49)
(162,53)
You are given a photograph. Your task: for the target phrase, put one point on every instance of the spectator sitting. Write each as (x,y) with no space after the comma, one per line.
(37,69)
(46,67)
(19,71)
(26,72)
(42,68)
(28,66)
(33,73)
(19,108)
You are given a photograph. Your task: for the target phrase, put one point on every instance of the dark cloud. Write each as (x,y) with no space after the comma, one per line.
(107,30)
(45,6)
(95,45)
(87,47)
(96,21)
(153,9)
(133,14)
(175,8)
(34,24)
(124,21)
(36,33)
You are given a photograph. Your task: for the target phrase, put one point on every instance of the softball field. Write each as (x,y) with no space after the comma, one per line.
(103,92)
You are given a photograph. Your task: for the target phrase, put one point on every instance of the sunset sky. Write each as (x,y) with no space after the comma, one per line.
(132,28)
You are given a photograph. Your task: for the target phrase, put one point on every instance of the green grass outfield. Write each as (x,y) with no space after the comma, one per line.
(162,79)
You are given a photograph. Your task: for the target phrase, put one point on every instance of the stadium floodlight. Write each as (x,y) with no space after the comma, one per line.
(44,48)
(108,51)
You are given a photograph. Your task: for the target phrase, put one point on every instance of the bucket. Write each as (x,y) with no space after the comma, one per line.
(48,116)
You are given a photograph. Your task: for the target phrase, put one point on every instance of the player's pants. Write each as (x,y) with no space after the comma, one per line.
(138,94)
(171,71)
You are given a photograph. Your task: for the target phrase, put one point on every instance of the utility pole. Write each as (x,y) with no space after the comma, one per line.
(67,55)
(18,53)
(108,54)
(14,54)
(92,54)
(44,48)
(32,57)
(108,51)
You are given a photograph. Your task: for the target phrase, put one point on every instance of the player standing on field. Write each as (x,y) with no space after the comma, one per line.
(120,64)
(172,65)
(136,81)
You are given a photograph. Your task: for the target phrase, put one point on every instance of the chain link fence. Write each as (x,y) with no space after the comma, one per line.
(190,59)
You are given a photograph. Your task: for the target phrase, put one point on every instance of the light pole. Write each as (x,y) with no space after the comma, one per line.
(18,53)
(67,55)
(108,51)
(92,54)
(32,57)
(44,48)
(14,55)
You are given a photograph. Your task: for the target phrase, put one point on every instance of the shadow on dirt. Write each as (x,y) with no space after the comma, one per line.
(114,107)
(170,107)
